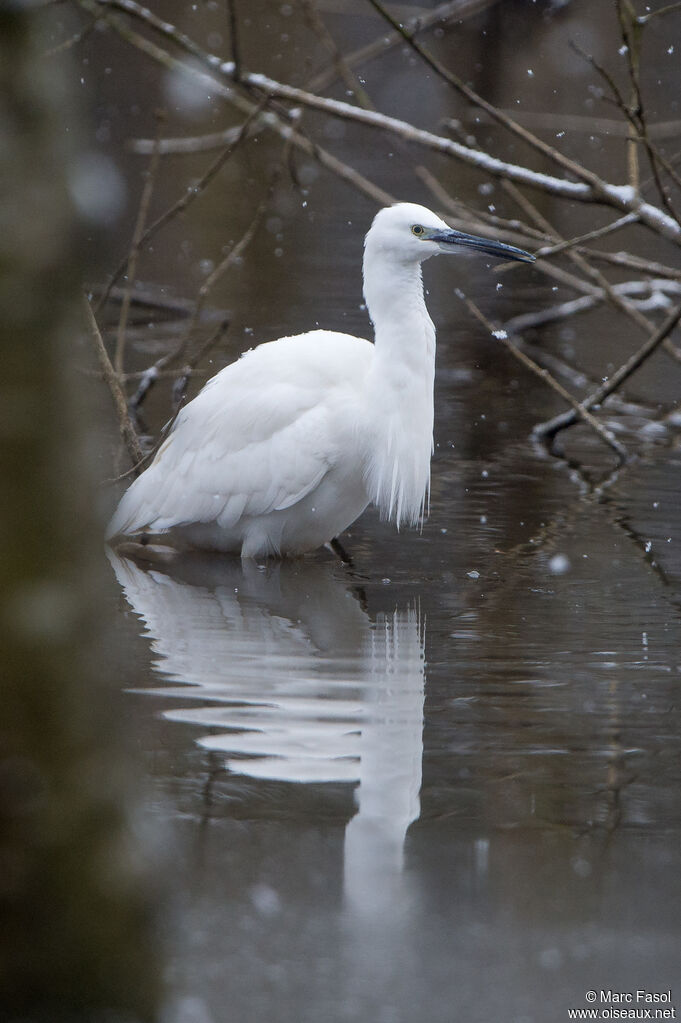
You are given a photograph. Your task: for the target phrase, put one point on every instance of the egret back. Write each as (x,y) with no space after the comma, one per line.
(258,438)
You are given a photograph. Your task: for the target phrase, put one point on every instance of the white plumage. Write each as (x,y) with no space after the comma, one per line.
(283,449)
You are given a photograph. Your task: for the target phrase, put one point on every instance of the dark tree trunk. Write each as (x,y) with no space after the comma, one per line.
(76,928)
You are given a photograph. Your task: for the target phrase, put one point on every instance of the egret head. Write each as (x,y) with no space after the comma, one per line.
(409,233)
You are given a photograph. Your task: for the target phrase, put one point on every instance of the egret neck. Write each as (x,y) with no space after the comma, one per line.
(400,386)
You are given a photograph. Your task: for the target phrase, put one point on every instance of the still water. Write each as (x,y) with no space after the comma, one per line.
(444,784)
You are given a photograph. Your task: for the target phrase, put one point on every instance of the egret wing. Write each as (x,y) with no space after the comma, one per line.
(258,438)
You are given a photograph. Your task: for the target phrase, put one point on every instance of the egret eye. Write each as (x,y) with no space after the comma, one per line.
(417,229)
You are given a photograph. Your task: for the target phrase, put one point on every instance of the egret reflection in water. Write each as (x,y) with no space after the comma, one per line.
(296,684)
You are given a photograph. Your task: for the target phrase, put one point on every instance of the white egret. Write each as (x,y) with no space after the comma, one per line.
(283,449)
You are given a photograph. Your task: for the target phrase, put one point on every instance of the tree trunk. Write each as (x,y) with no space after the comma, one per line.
(76,933)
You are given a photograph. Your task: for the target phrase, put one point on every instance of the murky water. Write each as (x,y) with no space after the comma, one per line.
(446,784)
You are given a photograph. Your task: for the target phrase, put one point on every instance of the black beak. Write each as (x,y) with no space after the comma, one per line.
(449,241)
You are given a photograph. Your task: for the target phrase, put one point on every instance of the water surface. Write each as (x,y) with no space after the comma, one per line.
(444,785)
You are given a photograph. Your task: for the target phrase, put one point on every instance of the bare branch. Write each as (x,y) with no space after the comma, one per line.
(638,132)
(125,424)
(643,19)
(617,379)
(636,263)
(73,40)
(352,82)
(193,192)
(651,294)
(592,189)
(578,410)
(458,9)
(599,232)
(488,224)
(182,380)
(119,354)
(234,38)
(580,172)
(159,370)
(232,256)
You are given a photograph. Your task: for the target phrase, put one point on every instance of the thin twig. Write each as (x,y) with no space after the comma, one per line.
(190,144)
(654,294)
(152,374)
(275,123)
(182,379)
(521,233)
(384,42)
(485,223)
(124,422)
(636,264)
(180,384)
(543,374)
(271,120)
(587,124)
(232,256)
(145,200)
(73,40)
(634,110)
(347,76)
(610,291)
(599,232)
(603,284)
(637,130)
(590,189)
(643,19)
(236,137)
(579,259)
(234,38)
(165,29)
(598,396)
(508,122)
